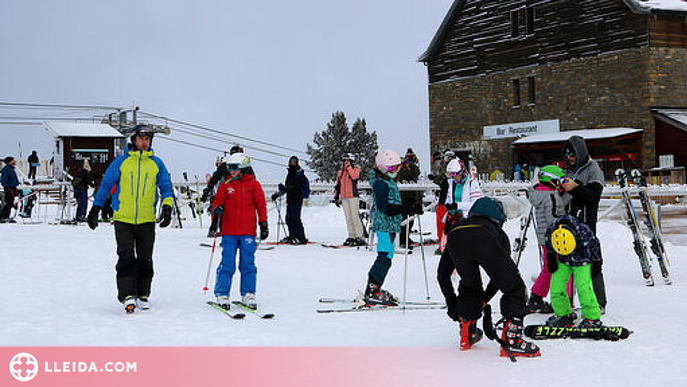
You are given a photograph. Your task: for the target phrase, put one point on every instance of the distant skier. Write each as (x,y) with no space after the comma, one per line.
(457,195)
(294,187)
(409,173)
(240,202)
(82,180)
(346,194)
(572,249)
(479,242)
(138,175)
(218,177)
(585,181)
(10,182)
(34,163)
(386,223)
(549,202)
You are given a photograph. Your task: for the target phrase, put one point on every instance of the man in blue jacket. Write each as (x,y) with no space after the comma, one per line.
(9,184)
(137,175)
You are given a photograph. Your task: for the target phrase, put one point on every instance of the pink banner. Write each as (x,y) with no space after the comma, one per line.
(184,366)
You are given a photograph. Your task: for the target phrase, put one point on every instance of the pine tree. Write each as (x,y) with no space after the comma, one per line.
(333,143)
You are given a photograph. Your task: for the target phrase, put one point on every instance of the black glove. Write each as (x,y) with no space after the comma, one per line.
(219,210)
(166,217)
(551,263)
(282,188)
(93,217)
(452,311)
(394,209)
(451,206)
(275,196)
(337,202)
(596,268)
(206,195)
(264,231)
(430,176)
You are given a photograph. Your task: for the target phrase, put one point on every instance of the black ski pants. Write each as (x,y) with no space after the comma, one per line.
(135,263)
(294,222)
(10,193)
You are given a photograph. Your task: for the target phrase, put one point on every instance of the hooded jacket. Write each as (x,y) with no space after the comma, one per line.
(242,198)
(385,191)
(586,172)
(138,175)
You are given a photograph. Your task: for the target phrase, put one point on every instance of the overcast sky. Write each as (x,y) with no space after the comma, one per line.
(272,70)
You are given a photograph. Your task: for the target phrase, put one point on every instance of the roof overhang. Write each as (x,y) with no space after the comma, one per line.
(673,117)
(81,129)
(443,29)
(587,134)
(666,7)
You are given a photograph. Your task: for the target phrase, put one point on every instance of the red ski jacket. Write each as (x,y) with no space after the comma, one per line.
(241,198)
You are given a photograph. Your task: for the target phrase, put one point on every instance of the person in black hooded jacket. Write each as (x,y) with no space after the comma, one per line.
(293,188)
(585,182)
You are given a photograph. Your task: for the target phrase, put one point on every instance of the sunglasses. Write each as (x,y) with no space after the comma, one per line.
(570,154)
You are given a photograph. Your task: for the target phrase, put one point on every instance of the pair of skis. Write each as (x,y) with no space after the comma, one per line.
(651,221)
(360,306)
(240,315)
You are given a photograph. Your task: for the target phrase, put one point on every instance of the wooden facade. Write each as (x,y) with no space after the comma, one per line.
(587,63)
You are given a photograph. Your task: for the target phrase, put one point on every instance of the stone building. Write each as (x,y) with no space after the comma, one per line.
(503,69)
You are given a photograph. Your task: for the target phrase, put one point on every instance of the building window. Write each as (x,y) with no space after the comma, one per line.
(516,92)
(515,23)
(531,96)
(530,20)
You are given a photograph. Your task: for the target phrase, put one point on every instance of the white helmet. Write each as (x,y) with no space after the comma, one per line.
(455,167)
(221,160)
(239,159)
(387,158)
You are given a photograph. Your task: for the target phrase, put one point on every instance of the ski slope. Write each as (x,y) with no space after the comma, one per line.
(58,287)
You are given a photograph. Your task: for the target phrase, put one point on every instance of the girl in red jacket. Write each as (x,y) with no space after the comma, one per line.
(240,198)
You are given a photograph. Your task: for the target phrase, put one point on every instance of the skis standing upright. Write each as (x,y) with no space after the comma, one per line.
(521,240)
(651,221)
(633,223)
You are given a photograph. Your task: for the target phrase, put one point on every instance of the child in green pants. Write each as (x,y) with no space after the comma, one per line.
(572,248)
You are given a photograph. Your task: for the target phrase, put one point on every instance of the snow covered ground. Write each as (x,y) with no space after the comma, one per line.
(58,289)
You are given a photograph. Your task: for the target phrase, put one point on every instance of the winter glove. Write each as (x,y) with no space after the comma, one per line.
(431,176)
(166,217)
(206,195)
(93,217)
(394,209)
(596,268)
(337,202)
(451,206)
(219,210)
(275,196)
(282,188)
(551,263)
(264,231)
(452,311)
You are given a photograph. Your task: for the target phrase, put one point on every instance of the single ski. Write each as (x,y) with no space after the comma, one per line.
(381,308)
(541,332)
(256,312)
(652,224)
(633,223)
(235,316)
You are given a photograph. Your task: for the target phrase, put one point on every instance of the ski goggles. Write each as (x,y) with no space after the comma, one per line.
(392,168)
(456,174)
(569,153)
(554,178)
(233,167)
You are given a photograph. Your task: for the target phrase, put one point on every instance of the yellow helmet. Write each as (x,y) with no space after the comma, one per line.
(563,240)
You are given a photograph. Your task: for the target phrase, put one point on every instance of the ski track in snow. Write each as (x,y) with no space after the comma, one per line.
(59,288)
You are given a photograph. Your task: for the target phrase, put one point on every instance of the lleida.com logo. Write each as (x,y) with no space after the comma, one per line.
(23,367)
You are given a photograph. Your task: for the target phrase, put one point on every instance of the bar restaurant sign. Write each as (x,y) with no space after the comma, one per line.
(520,129)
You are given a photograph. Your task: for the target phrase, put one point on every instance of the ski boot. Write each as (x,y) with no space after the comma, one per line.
(562,321)
(286,240)
(349,242)
(469,334)
(223,302)
(359,242)
(143,303)
(511,336)
(129,304)
(250,301)
(375,295)
(537,305)
(590,324)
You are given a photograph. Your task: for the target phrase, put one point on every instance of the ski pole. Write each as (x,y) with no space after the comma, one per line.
(422,250)
(212,254)
(405,269)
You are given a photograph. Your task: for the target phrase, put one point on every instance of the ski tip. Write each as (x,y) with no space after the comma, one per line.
(268,316)
(238,316)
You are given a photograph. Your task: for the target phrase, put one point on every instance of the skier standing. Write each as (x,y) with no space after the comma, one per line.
(479,242)
(238,200)
(34,163)
(138,175)
(82,180)
(584,181)
(457,194)
(9,182)
(217,177)
(386,223)
(549,202)
(409,173)
(293,188)
(573,249)
(346,194)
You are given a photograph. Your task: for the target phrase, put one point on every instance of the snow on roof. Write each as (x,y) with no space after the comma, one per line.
(658,5)
(587,134)
(679,115)
(81,129)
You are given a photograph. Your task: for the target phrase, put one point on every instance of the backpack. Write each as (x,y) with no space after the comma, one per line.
(306,188)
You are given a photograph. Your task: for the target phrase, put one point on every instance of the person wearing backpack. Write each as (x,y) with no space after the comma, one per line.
(296,187)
